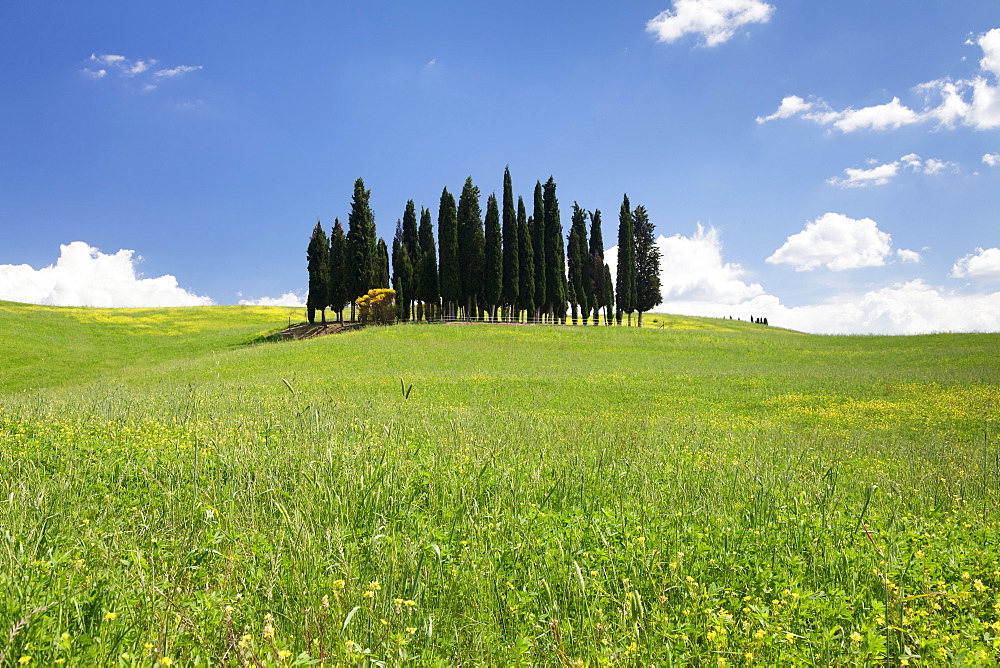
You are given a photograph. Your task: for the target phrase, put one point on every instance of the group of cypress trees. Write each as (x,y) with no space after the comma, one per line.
(510,266)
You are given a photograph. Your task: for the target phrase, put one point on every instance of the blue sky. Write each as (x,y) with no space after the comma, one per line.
(834,166)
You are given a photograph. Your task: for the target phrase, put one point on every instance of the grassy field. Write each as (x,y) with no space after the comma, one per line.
(174,490)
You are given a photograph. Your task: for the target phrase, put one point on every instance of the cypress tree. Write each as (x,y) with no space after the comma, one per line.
(471,248)
(609,295)
(578,259)
(410,235)
(572,256)
(318,261)
(361,244)
(625,288)
(339,270)
(451,280)
(493,259)
(411,242)
(428,288)
(526,261)
(511,249)
(598,286)
(537,224)
(647,264)
(381,265)
(555,255)
(402,274)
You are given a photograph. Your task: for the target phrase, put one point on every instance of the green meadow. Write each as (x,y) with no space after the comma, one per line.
(178,488)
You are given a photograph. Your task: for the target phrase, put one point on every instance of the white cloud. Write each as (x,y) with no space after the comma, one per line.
(697,281)
(790,106)
(859,178)
(715,21)
(892,115)
(837,242)
(879,175)
(108,59)
(973,102)
(139,67)
(141,70)
(990,44)
(991,159)
(692,270)
(913,307)
(983,265)
(84,276)
(907,256)
(935,166)
(287,299)
(178,71)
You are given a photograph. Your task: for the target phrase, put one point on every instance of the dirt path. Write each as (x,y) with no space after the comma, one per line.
(307,331)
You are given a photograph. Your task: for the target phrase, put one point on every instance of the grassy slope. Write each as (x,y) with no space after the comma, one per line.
(46,346)
(534,473)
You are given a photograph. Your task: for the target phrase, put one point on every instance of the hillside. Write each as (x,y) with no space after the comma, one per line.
(692,491)
(52,346)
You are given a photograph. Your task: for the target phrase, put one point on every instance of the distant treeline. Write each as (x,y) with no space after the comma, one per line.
(513,268)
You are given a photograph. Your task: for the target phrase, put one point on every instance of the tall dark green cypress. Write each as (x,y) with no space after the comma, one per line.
(402,274)
(318,261)
(339,271)
(471,248)
(409,237)
(526,262)
(493,259)
(451,280)
(537,224)
(578,259)
(609,296)
(410,234)
(511,249)
(555,255)
(361,243)
(381,265)
(625,288)
(598,285)
(647,264)
(428,286)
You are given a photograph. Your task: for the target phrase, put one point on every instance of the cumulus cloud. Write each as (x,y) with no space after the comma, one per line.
(84,276)
(837,242)
(973,102)
(178,71)
(141,70)
(880,175)
(139,67)
(790,106)
(714,21)
(983,265)
(889,116)
(698,281)
(692,269)
(287,299)
(991,159)
(907,256)
(912,307)
(859,178)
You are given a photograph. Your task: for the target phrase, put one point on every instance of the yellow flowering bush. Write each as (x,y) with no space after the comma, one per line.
(377,307)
